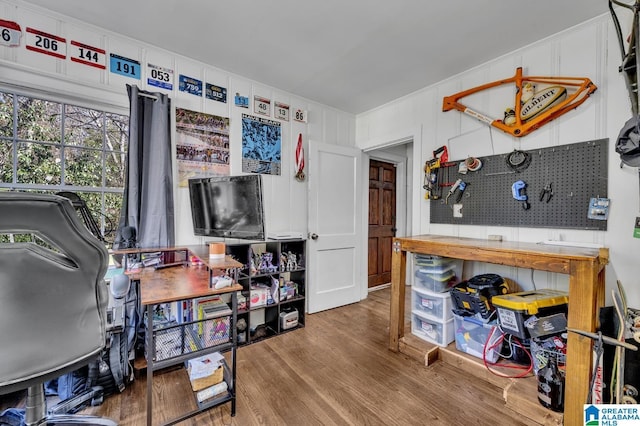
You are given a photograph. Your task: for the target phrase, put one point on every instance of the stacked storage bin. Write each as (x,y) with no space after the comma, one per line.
(431,315)
(471,335)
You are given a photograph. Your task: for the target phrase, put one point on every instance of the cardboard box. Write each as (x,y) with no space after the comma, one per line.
(259,296)
(204,371)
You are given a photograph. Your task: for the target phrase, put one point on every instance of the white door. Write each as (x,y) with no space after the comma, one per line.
(335,227)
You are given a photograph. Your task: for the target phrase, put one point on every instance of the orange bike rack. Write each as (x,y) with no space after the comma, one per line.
(583,89)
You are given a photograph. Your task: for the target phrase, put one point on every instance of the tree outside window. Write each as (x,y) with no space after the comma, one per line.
(49,146)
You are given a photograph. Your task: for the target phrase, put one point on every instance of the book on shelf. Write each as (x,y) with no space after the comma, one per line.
(215,307)
(216,325)
(213,304)
(215,310)
(184,310)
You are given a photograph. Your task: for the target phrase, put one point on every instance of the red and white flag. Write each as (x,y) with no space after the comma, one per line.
(299,159)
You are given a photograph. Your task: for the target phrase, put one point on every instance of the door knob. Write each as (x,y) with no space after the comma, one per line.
(313,236)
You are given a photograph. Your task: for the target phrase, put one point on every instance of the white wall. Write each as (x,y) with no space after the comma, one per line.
(285,197)
(588,50)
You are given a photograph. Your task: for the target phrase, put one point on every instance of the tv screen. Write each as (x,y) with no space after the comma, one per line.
(227,206)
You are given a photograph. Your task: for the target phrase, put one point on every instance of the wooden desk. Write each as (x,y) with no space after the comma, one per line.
(183,282)
(179,283)
(586,270)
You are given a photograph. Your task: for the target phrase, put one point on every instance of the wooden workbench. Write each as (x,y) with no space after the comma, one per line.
(586,270)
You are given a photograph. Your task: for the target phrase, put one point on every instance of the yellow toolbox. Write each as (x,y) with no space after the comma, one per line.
(532,313)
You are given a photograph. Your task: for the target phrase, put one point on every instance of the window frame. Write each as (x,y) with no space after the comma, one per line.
(104,151)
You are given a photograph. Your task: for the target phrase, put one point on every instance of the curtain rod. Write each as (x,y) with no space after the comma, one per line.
(155,98)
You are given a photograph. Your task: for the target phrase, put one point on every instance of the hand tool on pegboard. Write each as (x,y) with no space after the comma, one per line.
(458,189)
(546,193)
(431,174)
(518,190)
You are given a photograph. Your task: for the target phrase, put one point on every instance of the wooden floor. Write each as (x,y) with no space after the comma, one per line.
(335,371)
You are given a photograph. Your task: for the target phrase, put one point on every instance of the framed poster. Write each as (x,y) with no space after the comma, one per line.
(261,145)
(202,145)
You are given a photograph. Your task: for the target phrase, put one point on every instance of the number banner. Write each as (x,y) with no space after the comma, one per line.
(159,77)
(241,101)
(190,85)
(10,33)
(281,111)
(48,44)
(124,66)
(262,105)
(216,93)
(300,115)
(88,55)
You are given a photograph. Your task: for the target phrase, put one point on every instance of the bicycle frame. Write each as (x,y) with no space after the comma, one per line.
(583,89)
(630,61)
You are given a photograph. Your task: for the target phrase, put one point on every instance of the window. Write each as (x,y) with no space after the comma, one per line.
(50,146)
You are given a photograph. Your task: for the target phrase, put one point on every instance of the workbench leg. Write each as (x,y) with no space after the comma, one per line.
(398,283)
(586,295)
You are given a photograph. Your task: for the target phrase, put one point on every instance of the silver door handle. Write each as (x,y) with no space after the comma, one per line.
(313,236)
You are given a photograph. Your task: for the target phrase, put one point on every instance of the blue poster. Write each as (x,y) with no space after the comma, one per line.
(261,145)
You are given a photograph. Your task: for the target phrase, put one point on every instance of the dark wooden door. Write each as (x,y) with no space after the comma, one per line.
(382,220)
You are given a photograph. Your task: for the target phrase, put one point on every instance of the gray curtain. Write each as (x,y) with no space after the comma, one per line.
(148,196)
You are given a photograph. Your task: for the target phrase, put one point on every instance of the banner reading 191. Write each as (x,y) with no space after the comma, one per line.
(124,66)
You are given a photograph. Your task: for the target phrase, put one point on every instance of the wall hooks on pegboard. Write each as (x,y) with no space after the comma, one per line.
(574,172)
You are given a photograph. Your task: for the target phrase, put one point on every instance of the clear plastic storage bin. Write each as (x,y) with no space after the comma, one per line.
(435,273)
(437,305)
(432,330)
(471,335)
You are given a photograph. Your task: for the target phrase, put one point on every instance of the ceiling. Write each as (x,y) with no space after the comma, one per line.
(353,55)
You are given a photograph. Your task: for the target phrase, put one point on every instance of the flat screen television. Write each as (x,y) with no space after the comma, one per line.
(227,206)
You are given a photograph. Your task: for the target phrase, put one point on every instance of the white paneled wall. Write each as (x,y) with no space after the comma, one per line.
(285,197)
(588,50)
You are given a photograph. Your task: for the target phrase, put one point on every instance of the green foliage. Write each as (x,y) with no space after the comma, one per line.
(51,146)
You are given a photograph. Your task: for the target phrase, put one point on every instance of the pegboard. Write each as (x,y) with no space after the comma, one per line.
(577,172)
